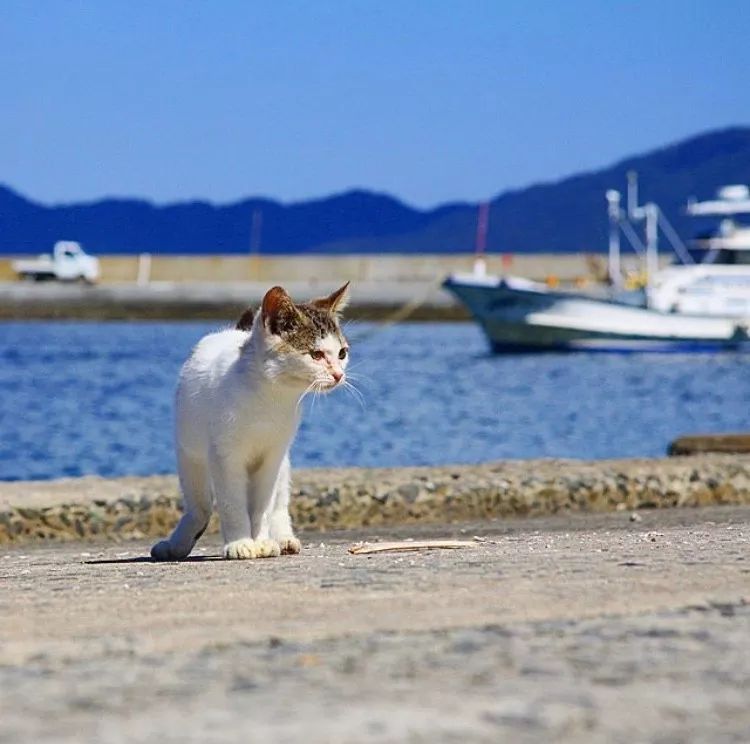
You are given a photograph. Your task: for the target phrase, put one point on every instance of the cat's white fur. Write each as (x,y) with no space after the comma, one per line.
(237,411)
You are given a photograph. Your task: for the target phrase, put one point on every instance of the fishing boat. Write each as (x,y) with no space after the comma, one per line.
(699,303)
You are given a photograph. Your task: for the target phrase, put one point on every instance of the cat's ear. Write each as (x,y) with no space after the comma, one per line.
(335,302)
(278,310)
(245,321)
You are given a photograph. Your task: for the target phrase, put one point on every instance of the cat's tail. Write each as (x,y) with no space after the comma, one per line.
(245,322)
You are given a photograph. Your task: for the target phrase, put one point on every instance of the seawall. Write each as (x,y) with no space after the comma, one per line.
(219,287)
(211,300)
(329,268)
(326,499)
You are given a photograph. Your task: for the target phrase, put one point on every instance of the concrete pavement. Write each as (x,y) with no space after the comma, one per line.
(571,629)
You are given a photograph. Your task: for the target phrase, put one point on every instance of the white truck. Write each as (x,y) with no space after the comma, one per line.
(68,263)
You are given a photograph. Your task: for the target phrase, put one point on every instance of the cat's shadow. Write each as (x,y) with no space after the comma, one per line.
(149,559)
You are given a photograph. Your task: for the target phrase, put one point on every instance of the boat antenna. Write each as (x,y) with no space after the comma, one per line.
(651,212)
(634,211)
(480,243)
(613,263)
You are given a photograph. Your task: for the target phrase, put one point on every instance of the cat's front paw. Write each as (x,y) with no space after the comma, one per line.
(243,549)
(290,545)
(163,551)
(268,548)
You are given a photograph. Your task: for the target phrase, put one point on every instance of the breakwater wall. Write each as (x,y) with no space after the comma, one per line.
(215,300)
(326,499)
(220,287)
(330,268)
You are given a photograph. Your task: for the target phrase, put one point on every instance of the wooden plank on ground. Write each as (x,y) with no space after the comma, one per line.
(694,444)
(401,546)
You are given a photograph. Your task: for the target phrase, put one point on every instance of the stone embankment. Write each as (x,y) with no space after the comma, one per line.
(135,507)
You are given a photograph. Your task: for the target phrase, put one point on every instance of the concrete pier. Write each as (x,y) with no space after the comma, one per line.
(183,287)
(417,300)
(607,617)
(572,629)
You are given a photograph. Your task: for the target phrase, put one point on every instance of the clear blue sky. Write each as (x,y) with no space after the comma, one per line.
(431,101)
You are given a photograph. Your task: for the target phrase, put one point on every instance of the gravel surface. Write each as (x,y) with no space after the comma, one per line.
(584,628)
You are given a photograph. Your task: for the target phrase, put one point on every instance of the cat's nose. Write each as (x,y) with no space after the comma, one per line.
(337,375)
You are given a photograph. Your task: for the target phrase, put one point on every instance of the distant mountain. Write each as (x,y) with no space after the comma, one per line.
(565,216)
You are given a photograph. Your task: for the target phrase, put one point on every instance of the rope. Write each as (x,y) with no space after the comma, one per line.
(400,314)
(677,245)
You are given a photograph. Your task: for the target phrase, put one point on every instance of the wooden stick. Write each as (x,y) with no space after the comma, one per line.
(694,444)
(363,548)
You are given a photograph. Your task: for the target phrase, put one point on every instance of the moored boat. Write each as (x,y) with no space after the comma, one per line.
(700,304)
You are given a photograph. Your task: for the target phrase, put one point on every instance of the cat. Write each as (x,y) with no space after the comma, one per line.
(237,409)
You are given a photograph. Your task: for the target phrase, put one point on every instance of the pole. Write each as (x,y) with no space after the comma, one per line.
(144,269)
(480,244)
(652,241)
(613,264)
(634,211)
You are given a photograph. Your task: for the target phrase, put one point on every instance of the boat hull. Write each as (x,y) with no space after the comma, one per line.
(518,316)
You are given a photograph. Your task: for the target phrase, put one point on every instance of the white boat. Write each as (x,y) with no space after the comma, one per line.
(703,303)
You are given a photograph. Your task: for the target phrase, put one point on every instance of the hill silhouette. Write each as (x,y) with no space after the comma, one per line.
(568,215)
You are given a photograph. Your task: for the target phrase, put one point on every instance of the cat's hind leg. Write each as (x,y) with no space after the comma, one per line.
(196,496)
(280,522)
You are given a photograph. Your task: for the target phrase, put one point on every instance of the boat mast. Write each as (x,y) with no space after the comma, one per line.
(613,263)
(480,245)
(651,211)
(635,212)
(621,220)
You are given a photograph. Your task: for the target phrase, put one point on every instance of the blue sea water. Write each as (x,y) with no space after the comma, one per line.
(96,398)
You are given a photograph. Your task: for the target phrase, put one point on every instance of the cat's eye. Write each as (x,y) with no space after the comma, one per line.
(316,354)
(343,353)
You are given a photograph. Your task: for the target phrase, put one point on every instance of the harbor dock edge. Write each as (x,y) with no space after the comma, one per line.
(371,301)
(94,508)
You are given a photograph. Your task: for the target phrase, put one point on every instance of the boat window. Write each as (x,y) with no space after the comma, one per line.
(723,256)
(732,258)
(697,254)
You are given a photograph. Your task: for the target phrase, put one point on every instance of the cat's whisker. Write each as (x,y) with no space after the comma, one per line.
(356,390)
(356,367)
(355,393)
(351,323)
(317,395)
(352,372)
(359,376)
(319,387)
(314,395)
(302,397)
(357,398)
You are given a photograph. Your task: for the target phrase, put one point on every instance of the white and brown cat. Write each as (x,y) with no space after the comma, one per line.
(237,411)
